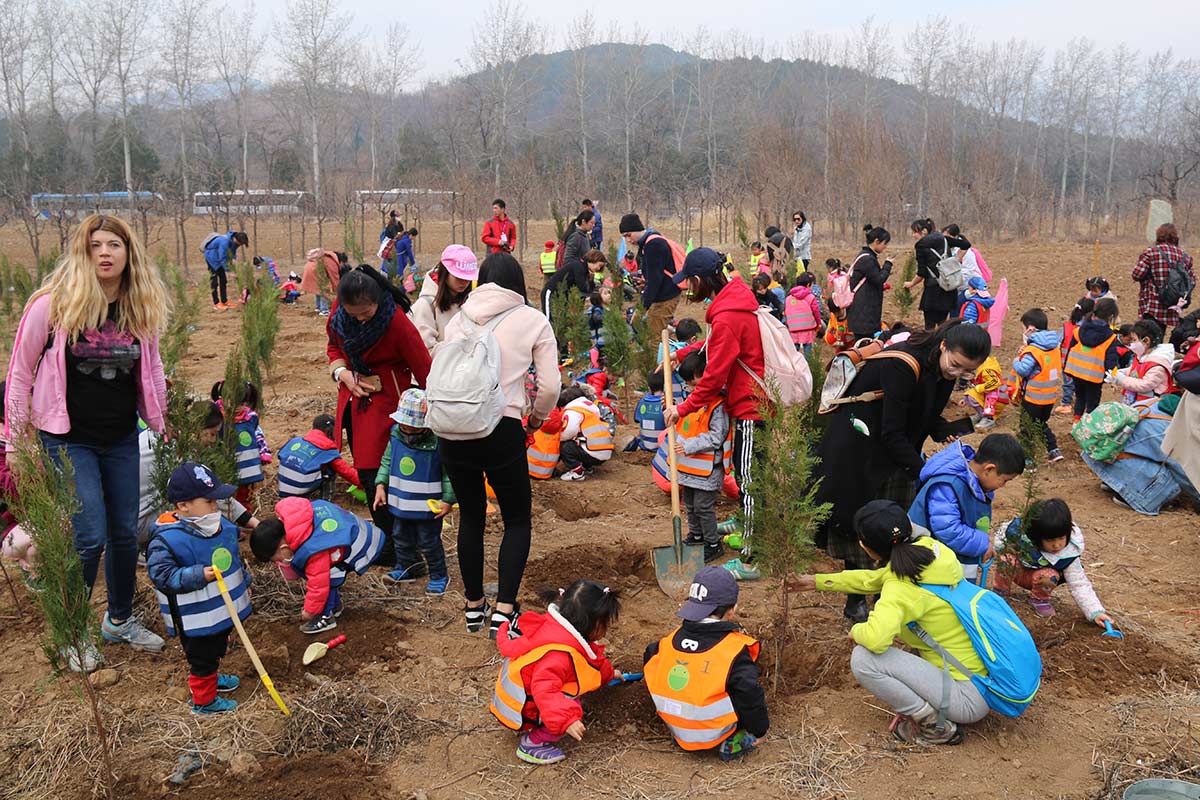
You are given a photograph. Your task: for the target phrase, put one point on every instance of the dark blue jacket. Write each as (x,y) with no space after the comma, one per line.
(1094,332)
(952,504)
(657,265)
(219,251)
(404,254)
(597,232)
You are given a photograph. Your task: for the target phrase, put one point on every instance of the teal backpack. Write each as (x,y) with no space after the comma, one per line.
(1001,641)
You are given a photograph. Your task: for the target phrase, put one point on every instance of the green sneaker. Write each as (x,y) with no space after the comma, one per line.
(740,571)
(734,541)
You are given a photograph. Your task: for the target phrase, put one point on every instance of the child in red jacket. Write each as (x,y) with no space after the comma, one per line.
(552,663)
(322,542)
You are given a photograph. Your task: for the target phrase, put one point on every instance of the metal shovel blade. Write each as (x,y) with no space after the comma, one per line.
(676,564)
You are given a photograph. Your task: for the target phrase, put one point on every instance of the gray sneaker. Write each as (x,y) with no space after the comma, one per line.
(89,661)
(132,633)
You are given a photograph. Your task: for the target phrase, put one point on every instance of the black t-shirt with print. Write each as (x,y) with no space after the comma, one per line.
(102,384)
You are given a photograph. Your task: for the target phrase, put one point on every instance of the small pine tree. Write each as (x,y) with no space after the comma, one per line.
(742,230)
(619,344)
(260,326)
(45,504)
(569,322)
(1033,442)
(644,356)
(904,297)
(786,512)
(351,244)
(186,302)
(560,222)
(185,420)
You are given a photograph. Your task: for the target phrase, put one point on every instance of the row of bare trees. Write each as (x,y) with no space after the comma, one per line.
(178,96)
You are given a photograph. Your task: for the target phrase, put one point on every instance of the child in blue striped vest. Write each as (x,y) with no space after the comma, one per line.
(411,482)
(250,448)
(309,464)
(321,542)
(649,414)
(180,566)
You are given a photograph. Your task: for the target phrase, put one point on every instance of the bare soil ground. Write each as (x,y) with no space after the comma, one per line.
(400,710)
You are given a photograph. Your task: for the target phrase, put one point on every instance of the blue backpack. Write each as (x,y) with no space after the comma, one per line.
(1001,641)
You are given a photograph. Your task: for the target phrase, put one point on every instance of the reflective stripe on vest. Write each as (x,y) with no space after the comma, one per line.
(1138,370)
(202,612)
(247,454)
(333,527)
(700,464)
(1041,388)
(542,455)
(688,689)
(650,422)
(547,261)
(596,433)
(798,315)
(414,479)
(509,696)
(302,467)
(297,484)
(1087,363)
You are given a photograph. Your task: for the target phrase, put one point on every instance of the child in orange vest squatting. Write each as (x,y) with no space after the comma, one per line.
(703,676)
(704,453)
(322,542)
(553,662)
(586,441)
(1091,355)
(179,563)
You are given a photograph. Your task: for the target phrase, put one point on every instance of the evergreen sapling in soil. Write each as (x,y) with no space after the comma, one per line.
(904,297)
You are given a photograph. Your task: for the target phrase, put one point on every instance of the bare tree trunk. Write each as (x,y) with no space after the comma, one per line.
(316,167)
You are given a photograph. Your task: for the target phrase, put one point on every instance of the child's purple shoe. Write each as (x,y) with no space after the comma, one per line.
(1043,608)
(541,754)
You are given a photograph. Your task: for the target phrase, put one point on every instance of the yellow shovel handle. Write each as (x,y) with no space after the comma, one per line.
(237,623)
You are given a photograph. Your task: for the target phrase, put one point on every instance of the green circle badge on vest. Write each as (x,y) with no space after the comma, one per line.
(329,525)
(245,439)
(222,559)
(678,676)
(407,466)
(295,446)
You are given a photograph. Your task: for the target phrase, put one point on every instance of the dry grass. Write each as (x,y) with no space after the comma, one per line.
(343,715)
(1156,737)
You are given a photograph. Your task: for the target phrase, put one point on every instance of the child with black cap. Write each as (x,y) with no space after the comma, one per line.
(180,563)
(703,676)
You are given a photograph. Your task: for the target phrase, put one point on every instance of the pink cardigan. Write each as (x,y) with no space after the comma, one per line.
(46,383)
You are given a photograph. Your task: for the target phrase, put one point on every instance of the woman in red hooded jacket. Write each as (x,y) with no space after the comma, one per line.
(375,354)
(735,365)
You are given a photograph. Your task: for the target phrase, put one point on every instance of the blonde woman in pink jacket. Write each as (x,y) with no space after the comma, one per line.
(85,365)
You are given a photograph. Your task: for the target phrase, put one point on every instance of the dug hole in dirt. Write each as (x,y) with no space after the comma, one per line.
(400,710)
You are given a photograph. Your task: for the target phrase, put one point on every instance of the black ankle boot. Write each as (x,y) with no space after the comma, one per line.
(856,608)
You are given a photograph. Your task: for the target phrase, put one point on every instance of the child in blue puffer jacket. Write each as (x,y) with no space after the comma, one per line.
(955,499)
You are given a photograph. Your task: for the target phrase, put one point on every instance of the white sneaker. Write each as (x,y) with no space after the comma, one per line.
(86,662)
(132,633)
(576,474)
(985,423)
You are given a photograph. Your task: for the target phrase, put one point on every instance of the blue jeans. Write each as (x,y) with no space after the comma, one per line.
(414,538)
(322,304)
(1068,390)
(331,603)
(106,486)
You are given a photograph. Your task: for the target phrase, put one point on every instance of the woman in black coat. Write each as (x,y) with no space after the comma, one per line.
(931,247)
(872,450)
(865,315)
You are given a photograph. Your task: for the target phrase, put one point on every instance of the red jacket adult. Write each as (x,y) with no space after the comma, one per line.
(296,514)
(492,230)
(396,360)
(733,335)
(544,678)
(340,465)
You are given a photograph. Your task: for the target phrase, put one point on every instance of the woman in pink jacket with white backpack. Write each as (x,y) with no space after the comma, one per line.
(85,365)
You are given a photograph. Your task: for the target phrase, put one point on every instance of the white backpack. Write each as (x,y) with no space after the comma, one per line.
(785,364)
(950,275)
(466,400)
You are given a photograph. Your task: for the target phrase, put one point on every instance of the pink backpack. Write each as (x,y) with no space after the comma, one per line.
(678,254)
(841,292)
(786,366)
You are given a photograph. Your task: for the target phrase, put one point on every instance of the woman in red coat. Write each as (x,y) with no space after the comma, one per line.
(375,354)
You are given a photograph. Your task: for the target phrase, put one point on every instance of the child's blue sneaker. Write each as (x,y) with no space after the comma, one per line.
(219,705)
(737,746)
(437,586)
(227,683)
(407,574)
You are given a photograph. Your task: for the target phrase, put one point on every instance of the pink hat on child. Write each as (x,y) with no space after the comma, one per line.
(460,262)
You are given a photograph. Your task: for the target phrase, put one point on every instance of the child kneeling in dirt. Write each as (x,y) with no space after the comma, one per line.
(322,542)
(179,562)
(553,662)
(410,482)
(587,441)
(309,464)
(1043,553)
(703,676)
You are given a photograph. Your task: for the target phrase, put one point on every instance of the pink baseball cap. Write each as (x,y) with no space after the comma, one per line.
(460,262)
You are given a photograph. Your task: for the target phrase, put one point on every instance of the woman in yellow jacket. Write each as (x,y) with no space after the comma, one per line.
(913,685)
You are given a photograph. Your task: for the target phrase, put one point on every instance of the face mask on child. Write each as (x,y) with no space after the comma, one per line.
(208,523)
(1137,348)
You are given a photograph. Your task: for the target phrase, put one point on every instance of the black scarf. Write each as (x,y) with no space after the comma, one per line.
(359,337)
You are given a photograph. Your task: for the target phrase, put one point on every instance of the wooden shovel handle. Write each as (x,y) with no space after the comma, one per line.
(669,398)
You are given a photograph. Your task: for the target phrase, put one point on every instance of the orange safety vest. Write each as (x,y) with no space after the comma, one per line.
(699,464)
(689,693)
(1087,363)
(1041,388)
(596,433)
(1139,370)
(543,455)
(510,697)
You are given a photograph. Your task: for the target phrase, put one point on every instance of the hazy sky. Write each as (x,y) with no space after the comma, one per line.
(443,29)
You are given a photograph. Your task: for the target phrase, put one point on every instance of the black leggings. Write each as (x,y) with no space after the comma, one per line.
(218,278)
(501,457)
(747,449)
(1087,396)
(935,318)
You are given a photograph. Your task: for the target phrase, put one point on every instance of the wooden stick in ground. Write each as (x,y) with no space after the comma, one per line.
(669,400)
(237,623)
